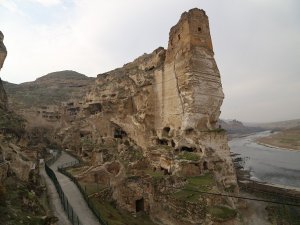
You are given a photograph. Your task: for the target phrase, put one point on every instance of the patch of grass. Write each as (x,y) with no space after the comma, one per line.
(74,170)
(203,183)
(187,195)
(222,213)
(194,184)
(155,174)
(192,156)
(113,216)
(91,188)
(166,148)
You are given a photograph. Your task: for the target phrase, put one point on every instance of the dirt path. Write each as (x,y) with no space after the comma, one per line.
(74,196)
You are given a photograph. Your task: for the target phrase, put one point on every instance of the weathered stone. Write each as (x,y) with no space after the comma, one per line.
(3,53)
(167,104)
(147,127)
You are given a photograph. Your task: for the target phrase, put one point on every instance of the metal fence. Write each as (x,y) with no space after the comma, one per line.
(90,204)
(49,162)
(64,200)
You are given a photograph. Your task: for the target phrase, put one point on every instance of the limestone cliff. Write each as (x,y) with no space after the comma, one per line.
(157,114)
(148,131)
(167,98)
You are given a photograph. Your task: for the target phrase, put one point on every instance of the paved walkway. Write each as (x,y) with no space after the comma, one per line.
(55,203)
(74,196)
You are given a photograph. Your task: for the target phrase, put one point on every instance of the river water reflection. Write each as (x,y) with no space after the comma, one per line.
(276,166)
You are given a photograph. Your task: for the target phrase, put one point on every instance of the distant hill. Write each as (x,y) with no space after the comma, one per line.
(237,127)
(277,125)
(50,89)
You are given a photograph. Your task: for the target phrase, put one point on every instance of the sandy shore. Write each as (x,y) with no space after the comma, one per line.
(273,146)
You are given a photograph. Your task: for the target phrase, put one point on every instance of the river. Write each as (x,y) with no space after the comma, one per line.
(266,164)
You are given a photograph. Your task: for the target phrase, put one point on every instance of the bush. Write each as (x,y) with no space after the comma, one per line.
(192,156)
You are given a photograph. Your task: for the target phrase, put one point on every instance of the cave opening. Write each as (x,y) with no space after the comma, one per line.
(166,172)
(139,205)
(166,131)
(162,141)
(205,166)
(95,108)
(173,144)
(119,133)
(187,149)
(189,131)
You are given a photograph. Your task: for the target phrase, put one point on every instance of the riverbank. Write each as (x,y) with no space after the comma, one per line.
(273,146)
(286,139)
(265,163)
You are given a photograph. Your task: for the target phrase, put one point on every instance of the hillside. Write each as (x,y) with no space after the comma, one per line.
(234,127)
(278,125)
(50,89)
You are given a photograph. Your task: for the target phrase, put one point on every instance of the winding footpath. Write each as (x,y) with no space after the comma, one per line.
(71,191)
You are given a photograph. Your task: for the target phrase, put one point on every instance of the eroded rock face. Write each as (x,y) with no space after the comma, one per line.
(3,53)
(149,129)
(157,116)
(11,157)
(174,91)
(167,98)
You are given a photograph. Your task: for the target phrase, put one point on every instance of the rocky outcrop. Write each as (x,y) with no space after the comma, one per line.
(167,98)
(3,53)
(11,157)
(157,116)
(148,131)
(20,189)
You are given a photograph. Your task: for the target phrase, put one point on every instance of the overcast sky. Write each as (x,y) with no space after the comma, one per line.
(256,44)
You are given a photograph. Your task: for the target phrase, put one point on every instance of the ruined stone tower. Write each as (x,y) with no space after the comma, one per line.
(192,86)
